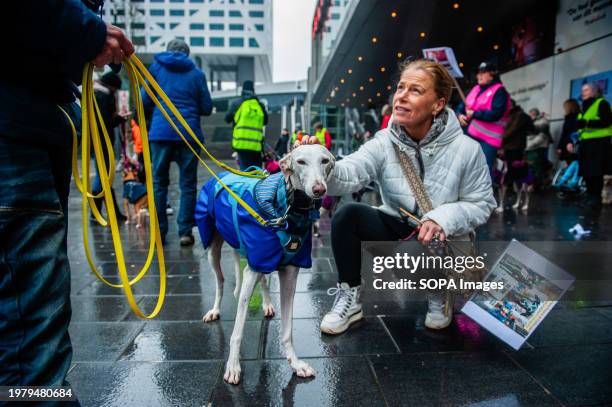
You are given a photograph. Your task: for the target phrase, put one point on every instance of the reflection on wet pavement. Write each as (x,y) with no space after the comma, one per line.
(389,358)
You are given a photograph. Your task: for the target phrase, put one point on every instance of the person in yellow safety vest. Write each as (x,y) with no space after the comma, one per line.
(595,148)
(322,135)
(248,117)
(296,135)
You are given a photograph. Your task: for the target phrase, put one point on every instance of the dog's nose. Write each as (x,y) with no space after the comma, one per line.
(318,189)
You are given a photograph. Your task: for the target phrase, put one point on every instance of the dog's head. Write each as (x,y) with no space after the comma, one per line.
(309,165)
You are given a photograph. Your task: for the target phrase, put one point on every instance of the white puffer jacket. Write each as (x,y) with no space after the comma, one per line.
(456,176)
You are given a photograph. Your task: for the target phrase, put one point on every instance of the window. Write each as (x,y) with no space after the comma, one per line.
(157,1)
(154,38)
(177,13)
(157,12)
(196,26)
(138,26)
(162,25)
(236,27)
(259,27)
(177,1)
(256,13)
(216,13)
(255,1)
(196,1)
(192,12)
(236,42)
(196,41)
(335,16)
(253,43)
(217,42)
(217,27)
(235,13)
(138,40)
(173,25)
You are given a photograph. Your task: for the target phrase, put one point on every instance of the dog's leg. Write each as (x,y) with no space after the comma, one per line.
(525,206)
(288,280)
(237,273)
(502,199)
(232,368)
(214,260)
(267,306)
(126,209)
(519,191)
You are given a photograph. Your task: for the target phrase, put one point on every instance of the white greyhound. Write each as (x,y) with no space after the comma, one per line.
(305,169)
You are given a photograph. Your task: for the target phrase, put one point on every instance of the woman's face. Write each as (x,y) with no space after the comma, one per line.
(415,102)
(484,78)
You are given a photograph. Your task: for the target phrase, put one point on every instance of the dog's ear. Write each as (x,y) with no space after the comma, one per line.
(286,164)
(330,166)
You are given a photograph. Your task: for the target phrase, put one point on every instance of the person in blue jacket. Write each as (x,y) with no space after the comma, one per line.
(185,85)
(51,42)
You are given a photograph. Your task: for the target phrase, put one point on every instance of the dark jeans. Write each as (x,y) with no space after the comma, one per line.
(35,311)
(249,158)
(490,153)
(355,223)
(162,154)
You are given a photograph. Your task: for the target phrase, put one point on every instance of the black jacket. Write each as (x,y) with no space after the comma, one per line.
(516,131)
(47,43)
(246,95)
(570,125)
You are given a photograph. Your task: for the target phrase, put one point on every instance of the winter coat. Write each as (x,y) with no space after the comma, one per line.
(186,87)
(541,139)
(454,172)
(59,37)
(516,131)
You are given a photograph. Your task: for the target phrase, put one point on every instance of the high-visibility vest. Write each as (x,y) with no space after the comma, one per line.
(296,136)
(489,132)
(321,136)
(248,128)
(592,113)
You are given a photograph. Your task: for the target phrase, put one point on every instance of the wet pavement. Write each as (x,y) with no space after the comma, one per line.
(389,358)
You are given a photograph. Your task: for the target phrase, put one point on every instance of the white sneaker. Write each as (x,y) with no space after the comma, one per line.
(345,311)
(439,313)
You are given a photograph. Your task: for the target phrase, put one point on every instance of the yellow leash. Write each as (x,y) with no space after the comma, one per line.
(94,133)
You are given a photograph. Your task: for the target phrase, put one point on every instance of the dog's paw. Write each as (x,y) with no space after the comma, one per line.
(138,226)
(232,372)
(237,291)
(302,369)
(515,206)
(211,315)
(499,209)
(524,208)
(127,222)
(268,310)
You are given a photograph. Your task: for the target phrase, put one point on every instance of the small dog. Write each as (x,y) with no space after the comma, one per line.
(523,186)
(134,194)
(290,200)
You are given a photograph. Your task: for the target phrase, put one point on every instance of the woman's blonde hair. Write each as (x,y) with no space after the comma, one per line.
(443,83)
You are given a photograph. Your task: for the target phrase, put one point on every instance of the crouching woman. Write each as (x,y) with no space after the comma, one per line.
(451,166)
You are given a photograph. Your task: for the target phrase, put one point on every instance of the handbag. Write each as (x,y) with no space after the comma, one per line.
(451,247)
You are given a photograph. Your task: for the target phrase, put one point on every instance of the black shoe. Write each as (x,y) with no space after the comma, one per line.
(187,240)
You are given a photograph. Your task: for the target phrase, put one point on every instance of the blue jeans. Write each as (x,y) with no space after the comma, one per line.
(162,154)
(35,347)
(490,153)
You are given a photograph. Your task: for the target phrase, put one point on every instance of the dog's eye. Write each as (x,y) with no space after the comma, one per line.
(325,161)
(301,162)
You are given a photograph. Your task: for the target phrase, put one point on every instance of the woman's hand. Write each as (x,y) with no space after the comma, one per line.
(306,140)
(428,231)
(463,120)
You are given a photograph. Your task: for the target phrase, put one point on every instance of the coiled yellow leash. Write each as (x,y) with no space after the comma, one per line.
(94,133)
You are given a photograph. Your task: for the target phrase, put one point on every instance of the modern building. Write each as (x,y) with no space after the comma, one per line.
(231,40)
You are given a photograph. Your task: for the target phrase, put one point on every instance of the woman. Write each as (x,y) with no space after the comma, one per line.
(537,147)
(453,169)
(595,149)
(486,111)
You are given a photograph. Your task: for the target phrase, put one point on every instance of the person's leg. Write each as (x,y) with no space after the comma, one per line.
(490,153)
(188,182)
(161,156)
(249,158)
(354,223)
(35,312)
(594,185)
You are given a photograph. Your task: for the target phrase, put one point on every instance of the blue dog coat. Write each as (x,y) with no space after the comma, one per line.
(265,248)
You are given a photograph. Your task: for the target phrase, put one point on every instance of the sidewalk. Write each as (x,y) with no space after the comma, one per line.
(389,359)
